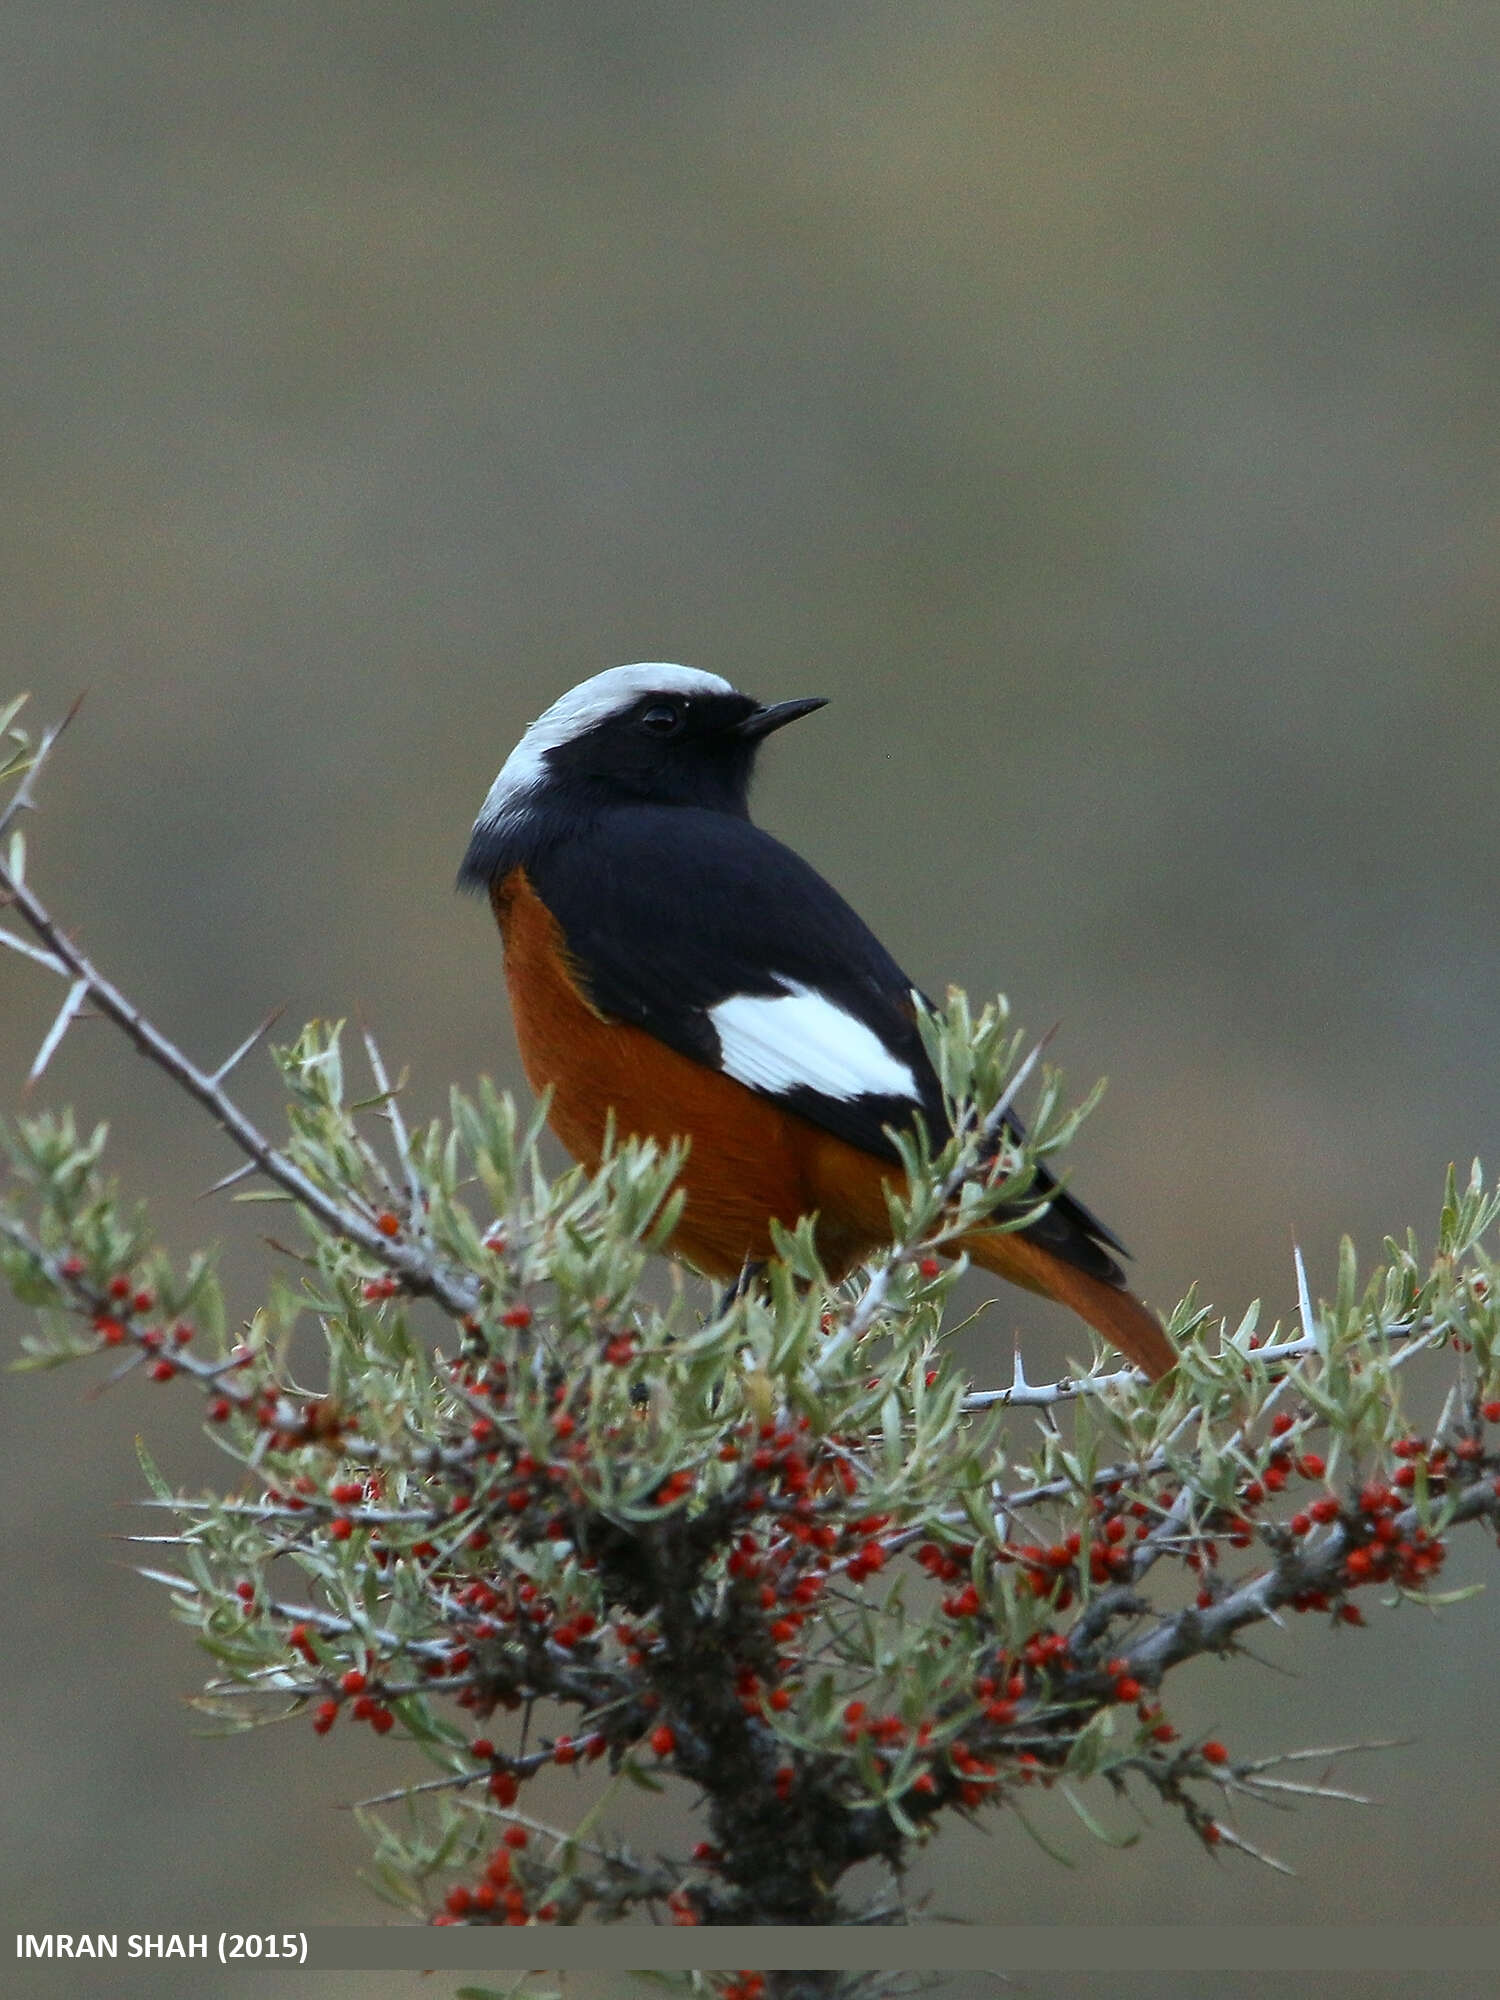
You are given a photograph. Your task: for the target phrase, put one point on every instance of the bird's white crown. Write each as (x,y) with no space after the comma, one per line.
(573,714)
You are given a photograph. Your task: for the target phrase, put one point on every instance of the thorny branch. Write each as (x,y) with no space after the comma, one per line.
(676,1532)
(419,1272)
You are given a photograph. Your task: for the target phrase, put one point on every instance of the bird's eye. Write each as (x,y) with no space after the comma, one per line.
(662,717)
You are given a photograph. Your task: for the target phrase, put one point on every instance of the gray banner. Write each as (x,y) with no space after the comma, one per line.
(1430,1950)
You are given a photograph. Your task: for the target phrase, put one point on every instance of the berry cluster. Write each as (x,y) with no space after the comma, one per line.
(775,1557)
(776,1523)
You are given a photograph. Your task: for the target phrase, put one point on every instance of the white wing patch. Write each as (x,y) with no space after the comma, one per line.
(799,1037)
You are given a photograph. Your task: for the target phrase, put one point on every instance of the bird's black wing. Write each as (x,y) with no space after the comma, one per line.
(691,924)
(709,934)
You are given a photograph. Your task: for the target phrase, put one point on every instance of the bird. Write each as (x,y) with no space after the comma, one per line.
(676,972)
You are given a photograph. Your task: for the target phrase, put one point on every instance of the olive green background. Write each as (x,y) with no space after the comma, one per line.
(1098,403)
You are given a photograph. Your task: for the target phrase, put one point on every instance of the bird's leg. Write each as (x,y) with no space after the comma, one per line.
(751,1270)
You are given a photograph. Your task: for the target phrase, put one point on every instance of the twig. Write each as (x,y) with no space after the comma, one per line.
(454,1290)
(21,799)
(398,1128)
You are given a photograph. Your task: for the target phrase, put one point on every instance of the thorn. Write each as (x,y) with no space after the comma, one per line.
(1304,1300)
(77,994)
(246,1046)
(1018,1382)
(128,1366)
(52,962)
(235,1174)
(281,1249)
(172,1580)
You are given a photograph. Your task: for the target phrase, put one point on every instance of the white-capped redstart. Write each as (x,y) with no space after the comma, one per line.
(671,964)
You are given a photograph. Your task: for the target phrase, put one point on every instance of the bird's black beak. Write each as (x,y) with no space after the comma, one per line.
(761,721)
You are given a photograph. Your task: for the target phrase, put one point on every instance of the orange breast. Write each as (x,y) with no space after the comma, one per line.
(749,1159)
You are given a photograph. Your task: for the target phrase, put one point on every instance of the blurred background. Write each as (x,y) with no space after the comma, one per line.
(1100,405)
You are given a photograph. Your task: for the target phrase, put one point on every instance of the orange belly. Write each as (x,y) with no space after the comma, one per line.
(749,1160)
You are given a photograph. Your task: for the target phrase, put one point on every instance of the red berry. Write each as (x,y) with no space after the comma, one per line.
(162,1371)
(353,1682)
(929,1267)
(388,1224)
(325,1715)
(516,1316)
(1213,1752)
(1281,1423)
(515,1836)
(1492,1411)
(663,1739)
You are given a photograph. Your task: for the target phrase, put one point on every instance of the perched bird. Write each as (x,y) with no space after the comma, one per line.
(671,963)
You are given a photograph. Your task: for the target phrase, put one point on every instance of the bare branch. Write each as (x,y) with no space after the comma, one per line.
(1021,1394)
(420,1272)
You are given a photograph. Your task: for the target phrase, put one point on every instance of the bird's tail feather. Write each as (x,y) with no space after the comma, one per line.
(1115,1314)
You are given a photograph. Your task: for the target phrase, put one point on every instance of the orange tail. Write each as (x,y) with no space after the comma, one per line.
(1110,1310)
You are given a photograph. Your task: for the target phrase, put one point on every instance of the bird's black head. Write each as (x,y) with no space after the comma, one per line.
(654,734)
